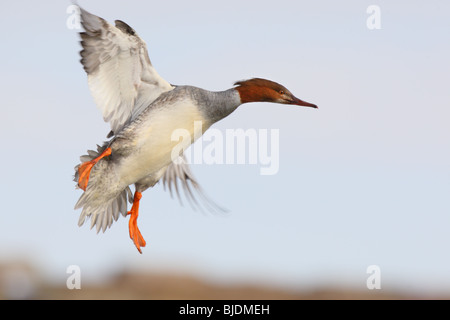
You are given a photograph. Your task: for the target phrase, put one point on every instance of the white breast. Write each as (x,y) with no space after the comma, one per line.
(153,140)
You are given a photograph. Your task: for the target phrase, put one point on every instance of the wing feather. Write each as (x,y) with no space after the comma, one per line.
(121,77)
(179,172)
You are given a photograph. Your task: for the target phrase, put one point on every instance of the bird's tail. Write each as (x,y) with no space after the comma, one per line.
(104,199)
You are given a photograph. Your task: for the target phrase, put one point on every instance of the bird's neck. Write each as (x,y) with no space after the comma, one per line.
(218,105)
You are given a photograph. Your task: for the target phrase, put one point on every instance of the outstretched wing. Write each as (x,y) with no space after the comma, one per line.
(179,172)
(120,74)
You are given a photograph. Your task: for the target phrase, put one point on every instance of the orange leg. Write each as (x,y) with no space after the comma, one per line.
(85,169)
(135,234)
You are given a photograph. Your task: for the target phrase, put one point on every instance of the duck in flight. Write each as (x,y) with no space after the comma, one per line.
(143,111)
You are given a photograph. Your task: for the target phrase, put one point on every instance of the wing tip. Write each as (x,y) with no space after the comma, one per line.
(125,28)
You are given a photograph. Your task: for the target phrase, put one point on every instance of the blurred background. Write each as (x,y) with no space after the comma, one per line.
(364,180)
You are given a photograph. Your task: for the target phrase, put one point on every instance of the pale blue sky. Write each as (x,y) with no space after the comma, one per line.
(363,180)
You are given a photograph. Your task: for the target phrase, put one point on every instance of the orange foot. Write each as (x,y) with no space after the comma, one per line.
(85,169)
(135,234)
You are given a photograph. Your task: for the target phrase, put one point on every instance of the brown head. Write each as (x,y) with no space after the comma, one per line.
(262,90)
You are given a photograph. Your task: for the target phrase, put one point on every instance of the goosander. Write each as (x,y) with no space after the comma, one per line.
(143,111)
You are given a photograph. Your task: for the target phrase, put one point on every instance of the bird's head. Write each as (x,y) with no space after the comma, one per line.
(262,90)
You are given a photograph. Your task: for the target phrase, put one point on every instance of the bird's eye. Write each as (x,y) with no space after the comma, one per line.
(282,92)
